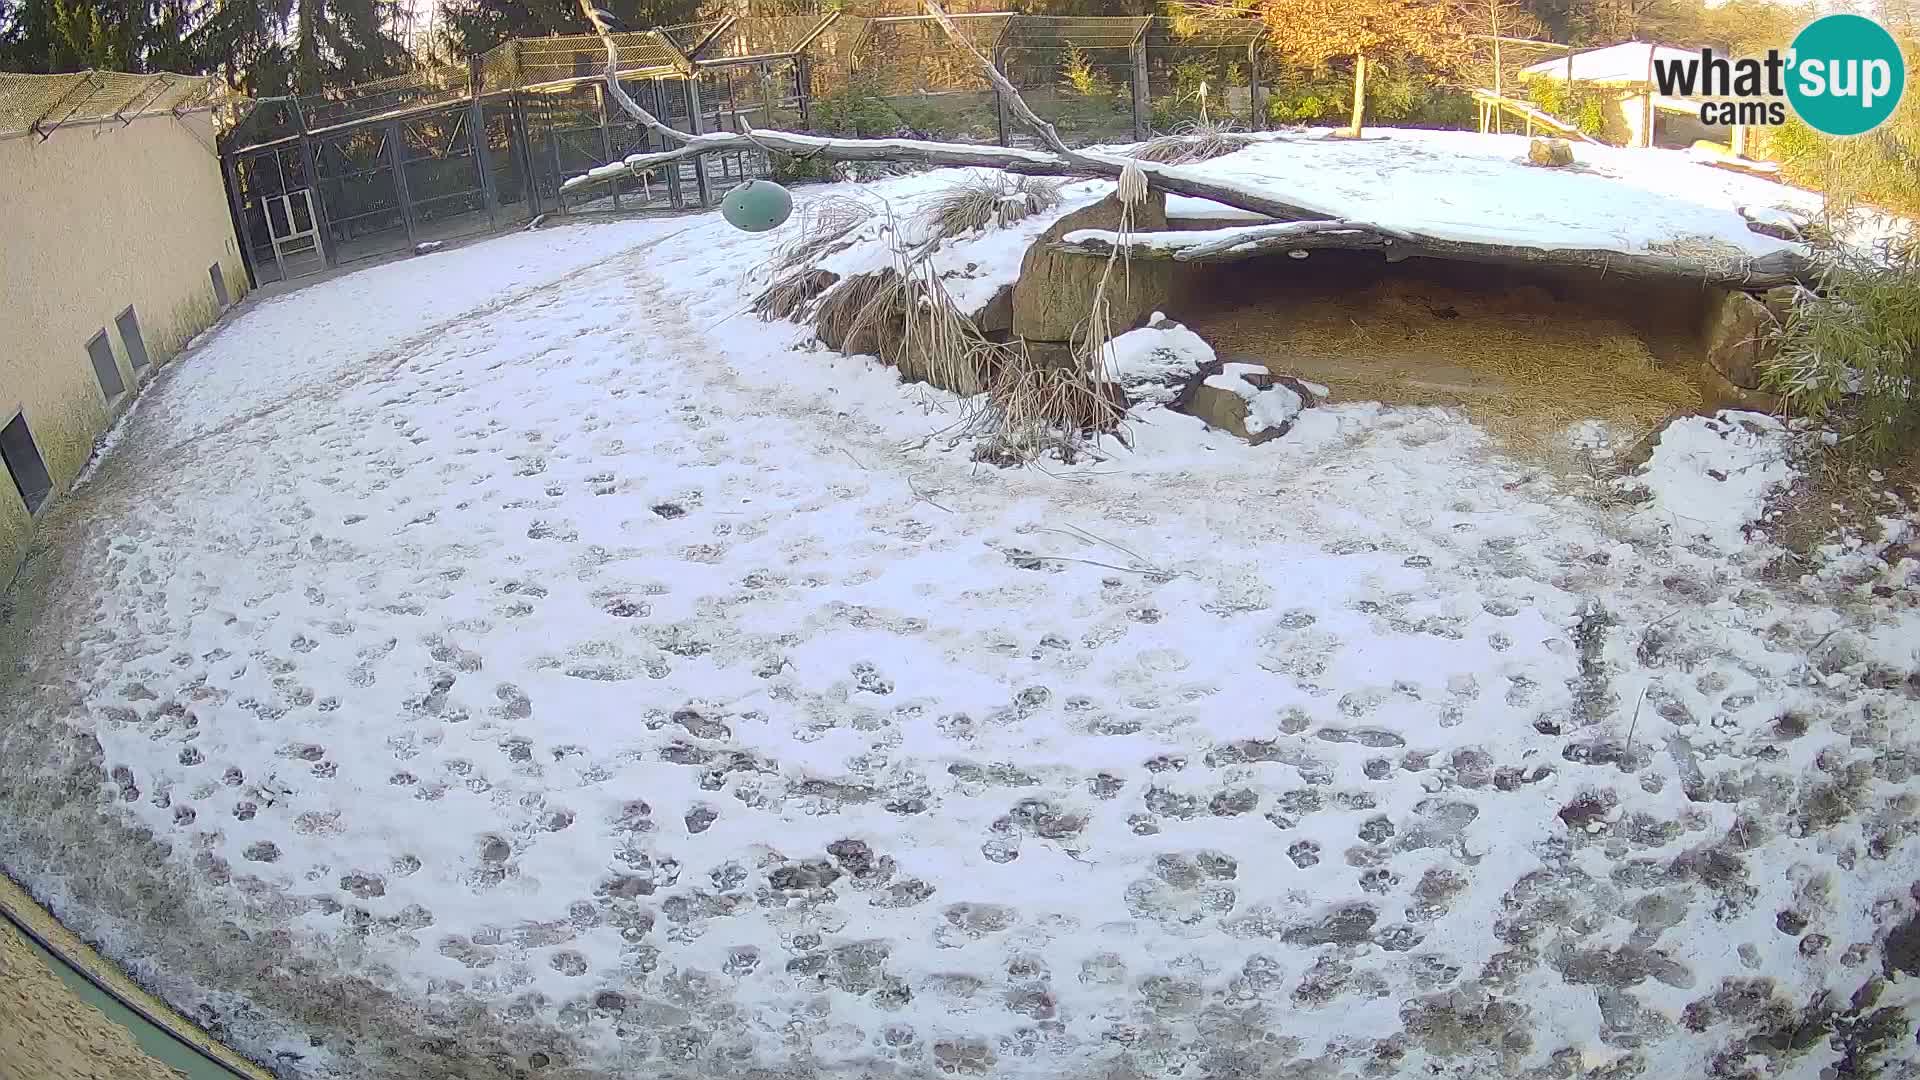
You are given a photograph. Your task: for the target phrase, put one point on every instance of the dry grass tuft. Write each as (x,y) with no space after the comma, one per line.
(850,317)
(1193,142)
(986,199)
(1017,405)
(1035,407)
(824,226)
(789,296)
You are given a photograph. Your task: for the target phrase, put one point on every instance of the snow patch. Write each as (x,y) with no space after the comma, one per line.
(1151,363)
(1712,475)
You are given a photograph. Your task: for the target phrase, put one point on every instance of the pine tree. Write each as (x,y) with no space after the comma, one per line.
(271,47)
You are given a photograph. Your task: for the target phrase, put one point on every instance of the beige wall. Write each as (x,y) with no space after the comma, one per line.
(93,219)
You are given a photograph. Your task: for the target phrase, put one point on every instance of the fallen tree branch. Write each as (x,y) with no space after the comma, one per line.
(1167,178)
(1254,241)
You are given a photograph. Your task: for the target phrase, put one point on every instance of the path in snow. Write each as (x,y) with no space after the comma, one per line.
(589,686)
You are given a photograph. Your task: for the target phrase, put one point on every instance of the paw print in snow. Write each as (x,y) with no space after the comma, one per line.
(867,678)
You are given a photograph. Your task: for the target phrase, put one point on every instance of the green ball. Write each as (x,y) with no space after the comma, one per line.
(756,206)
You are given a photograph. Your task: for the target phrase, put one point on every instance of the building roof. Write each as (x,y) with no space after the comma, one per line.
(1628,62)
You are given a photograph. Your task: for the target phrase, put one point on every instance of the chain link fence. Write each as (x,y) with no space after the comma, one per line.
(447,151)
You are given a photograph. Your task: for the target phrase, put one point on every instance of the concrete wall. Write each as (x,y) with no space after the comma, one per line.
(94,219)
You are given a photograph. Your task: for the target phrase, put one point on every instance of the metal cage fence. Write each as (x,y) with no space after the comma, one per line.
(39,104)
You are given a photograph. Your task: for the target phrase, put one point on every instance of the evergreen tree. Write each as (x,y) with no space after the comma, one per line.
(471,27)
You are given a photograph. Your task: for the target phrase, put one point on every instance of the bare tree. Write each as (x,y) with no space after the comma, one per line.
(1314,32)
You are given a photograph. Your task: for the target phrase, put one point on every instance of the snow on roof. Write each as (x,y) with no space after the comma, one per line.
(1627,62)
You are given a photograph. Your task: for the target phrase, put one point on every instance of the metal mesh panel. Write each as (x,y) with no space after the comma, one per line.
(901,76)
(1202,71)
(582,56)
(913,55)
(1205,33)
(687,36)
(754,37)
(400,93)
(500,68)
(1086,32)
(44,102)
(1076,73)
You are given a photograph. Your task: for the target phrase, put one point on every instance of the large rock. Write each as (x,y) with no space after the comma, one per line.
(995,321)
(1552,153)
(1717,393)
(1245,400)
(1055,291)
(1736,336)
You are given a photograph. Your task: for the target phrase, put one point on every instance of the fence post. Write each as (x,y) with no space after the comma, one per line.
(328,253)
(1257,115)
(696,125)
(482,152)
(396,158)
(1142,112)
(237,204)
(803,89)
(521,142)
(1001,117)
(606,139)
(658,102)
(553,146)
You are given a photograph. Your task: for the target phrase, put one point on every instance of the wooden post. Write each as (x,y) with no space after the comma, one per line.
(396,159)
(1359,92)
(553,154)
(1647,139)
(1142,110)
(1002,119)
(1739,140)
(696,125)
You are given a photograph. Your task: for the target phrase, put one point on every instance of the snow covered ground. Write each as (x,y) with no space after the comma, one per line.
(519,658)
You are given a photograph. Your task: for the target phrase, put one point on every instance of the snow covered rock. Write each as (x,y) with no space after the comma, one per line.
(1248,401)
(1055,291)
(1155,363)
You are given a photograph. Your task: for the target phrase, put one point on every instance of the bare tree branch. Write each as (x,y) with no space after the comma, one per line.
(618,92)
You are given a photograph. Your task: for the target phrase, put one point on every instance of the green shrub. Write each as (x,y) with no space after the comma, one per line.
(1582,106)
(1852,350)
(856,109)
(788,169)
(1398,98)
